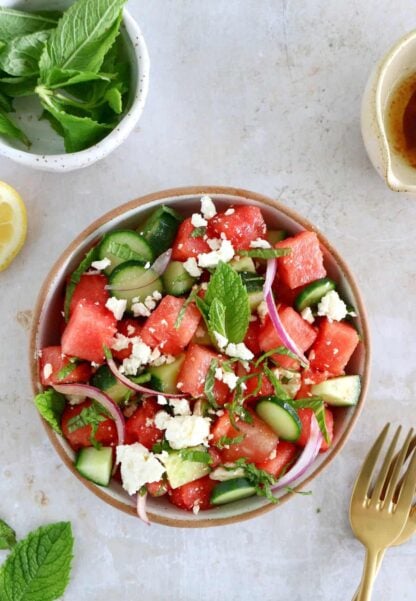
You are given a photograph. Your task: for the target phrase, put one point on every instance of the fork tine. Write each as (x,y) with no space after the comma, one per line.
(396,472)
(363,481)
(399,485)
(381,478)
(408,489)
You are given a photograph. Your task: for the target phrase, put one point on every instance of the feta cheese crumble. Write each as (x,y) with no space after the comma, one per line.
(332,306)
(101,265)
(138,467)
(116,306)
(221,474)
(260,243)
(47,370)
(229,212)
(140,355)
(208,209)
(161,400)
(191,266)
(198,221)
(229,378)
(140,310)
(225,253)
(222,341)
(214,243)
(180,406)
(307,315)
(183,431)
(262,310)
(239,351)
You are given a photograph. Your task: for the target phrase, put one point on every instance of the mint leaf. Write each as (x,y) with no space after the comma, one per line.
(50,405)
(265,253)
(92,416)
(75,278)
(7,536)
(279,350)
(70,77)
(114,98)
(67,369)
(261,480)
(10,130)
(279,390)
(5,103)
(198,232)
(14,23)
(227,287)
(39,566)
(196,454)
(192,297)
(21,55)
(210,382)
(318,407)
(18,86)
(216,317)
(226,441)
(84,34)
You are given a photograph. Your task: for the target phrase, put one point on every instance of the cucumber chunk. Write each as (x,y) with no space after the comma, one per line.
(281,417)
(131,280)
(164,377)
(254,284)
(245,264)
(108,383)
(274,236)
(160,228)
(95,464)
(176,280)
(343,391)
(122,246)
(312,294)
(181,471)
(232,490)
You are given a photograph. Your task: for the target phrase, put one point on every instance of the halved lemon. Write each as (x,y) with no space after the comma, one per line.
(13,224)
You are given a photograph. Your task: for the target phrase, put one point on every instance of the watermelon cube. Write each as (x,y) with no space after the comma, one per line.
(185,246)
(305,262)
(333,347)
(52,361)
(194,370)
(241,227)
(91,288)
(90,328)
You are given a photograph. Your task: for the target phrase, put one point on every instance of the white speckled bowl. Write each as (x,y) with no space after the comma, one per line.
(47,151)
(47,321)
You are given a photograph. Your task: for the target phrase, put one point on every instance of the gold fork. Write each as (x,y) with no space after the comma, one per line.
(375,519)
(410,527)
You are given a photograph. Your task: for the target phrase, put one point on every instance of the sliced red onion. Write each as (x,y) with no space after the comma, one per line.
(136,387)
(288,342)
(159,266)
(141,508)
(96,395)
(94,272)
(307,457)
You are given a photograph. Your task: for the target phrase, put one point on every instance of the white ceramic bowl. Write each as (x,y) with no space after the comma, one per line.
(45,332)
(47,152)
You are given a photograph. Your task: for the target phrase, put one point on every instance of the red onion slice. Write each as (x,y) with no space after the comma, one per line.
(159,266)
(97,395)
(136,387)
(141,508)
(274,315)
(307,457)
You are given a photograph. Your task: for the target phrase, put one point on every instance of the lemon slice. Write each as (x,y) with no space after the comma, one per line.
(13,224)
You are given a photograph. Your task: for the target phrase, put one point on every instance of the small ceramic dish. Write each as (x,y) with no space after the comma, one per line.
(398,63)
(47,152)
(187,200)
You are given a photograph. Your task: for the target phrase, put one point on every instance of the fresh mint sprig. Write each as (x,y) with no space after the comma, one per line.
(51,405)
(7,536)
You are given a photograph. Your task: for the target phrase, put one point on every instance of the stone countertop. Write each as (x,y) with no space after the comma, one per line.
(264,95)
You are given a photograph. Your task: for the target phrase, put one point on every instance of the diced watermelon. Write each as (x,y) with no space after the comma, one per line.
(194,371)
(251,393)
(185,246)
(91,288)
(52,355)
(305,262)
(309,377)
(140,427)
(301,332)
(251,339)
(285,454)
(159,329)
(241,227)
(193,494)
(333,347)
(129,327)
(91,327)
(305,416)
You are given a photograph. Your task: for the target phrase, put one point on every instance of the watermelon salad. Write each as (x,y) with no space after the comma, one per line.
(199,358)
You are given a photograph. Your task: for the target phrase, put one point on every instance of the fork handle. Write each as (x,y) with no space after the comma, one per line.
(369,575)
(380,558)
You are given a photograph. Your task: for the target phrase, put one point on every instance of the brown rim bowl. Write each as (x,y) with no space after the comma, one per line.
(45,333)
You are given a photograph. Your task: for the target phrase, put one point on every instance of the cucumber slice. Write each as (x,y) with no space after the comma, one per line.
(131,280)
(252,281)
(164,377)
(281,417)
(274,236)
(122,246)
(106,381)
(95,464)
(245,264)
(341,392)
(160,228)
(312,294)
(232,490)
(181,471)
(176,280)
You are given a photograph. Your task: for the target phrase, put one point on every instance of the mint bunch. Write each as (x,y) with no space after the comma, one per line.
(39,566)
(74,62)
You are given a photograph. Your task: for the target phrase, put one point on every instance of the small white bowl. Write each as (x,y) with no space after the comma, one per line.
(47,151)
(397,64)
